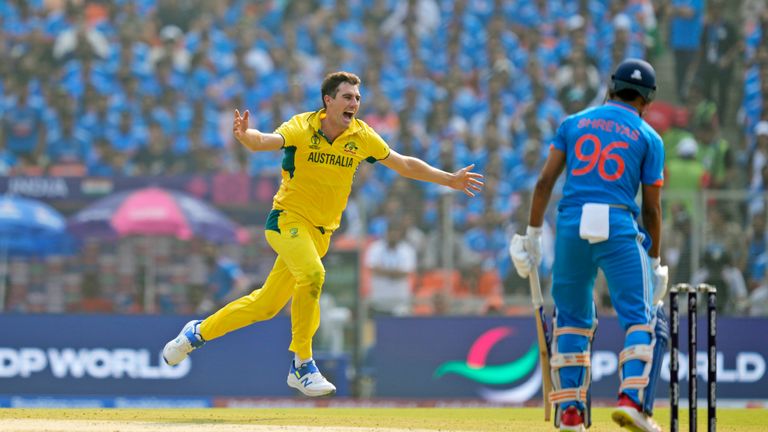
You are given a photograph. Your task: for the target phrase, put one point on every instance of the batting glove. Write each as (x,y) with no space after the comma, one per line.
(533,244)
(660,280)
(520,257)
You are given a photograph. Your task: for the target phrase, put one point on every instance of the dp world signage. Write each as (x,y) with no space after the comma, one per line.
(488,358)
(121,355)
(495,359)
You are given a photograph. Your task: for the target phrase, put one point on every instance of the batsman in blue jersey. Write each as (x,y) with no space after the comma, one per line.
(608,153)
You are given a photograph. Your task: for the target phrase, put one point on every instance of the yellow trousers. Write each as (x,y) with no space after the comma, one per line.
(298,273)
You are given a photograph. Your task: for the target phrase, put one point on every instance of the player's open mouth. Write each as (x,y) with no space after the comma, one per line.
(348,115)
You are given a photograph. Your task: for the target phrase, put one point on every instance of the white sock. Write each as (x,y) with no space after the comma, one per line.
(298,361)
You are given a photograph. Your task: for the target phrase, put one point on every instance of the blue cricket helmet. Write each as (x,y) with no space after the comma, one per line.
(637,75)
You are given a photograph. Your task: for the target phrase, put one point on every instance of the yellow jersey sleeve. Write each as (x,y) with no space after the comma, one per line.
(377,147)
(292,130)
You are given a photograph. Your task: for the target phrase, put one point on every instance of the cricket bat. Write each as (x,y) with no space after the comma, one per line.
(541,334)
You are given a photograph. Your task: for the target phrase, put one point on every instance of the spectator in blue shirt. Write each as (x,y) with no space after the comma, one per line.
(755,267)
(68,144)
(684,39)
(103,162)
(156,157)
(488,240)
(127,137)
(22,123)
(96,117)
(523,177)
(719,50)
(226,281)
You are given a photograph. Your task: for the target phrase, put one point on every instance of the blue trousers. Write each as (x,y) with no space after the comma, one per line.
(626,266)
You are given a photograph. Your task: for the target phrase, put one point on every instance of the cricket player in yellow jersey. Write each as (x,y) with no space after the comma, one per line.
(321,152)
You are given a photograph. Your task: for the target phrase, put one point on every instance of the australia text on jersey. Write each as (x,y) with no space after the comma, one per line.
(330,159)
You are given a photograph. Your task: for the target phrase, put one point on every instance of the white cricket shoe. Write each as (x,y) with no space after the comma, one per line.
(188,340)
(308,380)
(628,416)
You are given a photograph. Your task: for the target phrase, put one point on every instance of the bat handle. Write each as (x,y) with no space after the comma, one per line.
(533,279)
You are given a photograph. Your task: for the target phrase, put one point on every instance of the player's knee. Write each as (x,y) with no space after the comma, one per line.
(313,281)
(316,277)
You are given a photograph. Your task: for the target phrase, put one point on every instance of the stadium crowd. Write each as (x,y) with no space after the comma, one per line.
(147,88)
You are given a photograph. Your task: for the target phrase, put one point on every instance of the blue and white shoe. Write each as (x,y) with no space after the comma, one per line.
(188,340)
(308,380)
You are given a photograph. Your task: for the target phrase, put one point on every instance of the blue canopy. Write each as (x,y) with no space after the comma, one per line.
(31,228)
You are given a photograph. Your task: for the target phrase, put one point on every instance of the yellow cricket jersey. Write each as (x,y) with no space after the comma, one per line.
(317,175)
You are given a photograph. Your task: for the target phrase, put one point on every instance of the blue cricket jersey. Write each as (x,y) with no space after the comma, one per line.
(685,33)
(609,151)
(224,277)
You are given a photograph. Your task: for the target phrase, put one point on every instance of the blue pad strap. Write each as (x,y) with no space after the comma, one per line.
(572,376)
(634,368)
(662,338)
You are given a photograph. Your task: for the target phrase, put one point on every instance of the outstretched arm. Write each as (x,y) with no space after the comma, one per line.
(253,139)
(407,166)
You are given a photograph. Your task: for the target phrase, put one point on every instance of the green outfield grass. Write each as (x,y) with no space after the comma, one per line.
(438,419)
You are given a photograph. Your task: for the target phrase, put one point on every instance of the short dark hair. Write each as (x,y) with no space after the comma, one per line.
(331,83)
(626,95)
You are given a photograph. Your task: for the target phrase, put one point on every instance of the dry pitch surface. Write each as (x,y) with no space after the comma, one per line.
(329,420)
